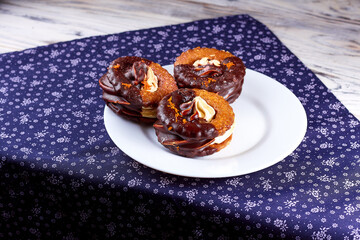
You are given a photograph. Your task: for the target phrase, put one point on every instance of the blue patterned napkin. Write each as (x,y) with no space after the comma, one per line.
(62,176)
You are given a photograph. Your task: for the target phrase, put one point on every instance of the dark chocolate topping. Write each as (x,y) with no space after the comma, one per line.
(123,80)
(209,70)
(190,148)
(137,73)
(171,116)
(226,80)
(129,114)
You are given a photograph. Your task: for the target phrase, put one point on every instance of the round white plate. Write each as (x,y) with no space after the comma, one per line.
(270,124)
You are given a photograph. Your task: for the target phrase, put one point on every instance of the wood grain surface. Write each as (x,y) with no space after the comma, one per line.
(324,34)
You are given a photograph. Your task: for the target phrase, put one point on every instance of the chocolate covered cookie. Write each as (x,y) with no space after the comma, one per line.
(210,69)
(194,122)
(133,87)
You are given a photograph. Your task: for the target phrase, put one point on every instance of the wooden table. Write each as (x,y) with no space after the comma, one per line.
(325,35)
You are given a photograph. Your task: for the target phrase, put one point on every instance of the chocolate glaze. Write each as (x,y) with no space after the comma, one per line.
(197,129)
(128,114)
(179,133)
(227,82)
(121,85)
(192,148)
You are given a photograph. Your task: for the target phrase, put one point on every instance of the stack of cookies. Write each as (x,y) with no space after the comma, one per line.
(190,111)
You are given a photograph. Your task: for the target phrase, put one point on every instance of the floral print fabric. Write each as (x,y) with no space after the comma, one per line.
(62,177)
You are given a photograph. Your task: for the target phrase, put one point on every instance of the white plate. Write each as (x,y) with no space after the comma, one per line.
(270,124)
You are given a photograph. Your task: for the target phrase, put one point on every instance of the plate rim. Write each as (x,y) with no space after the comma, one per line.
(272,162)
